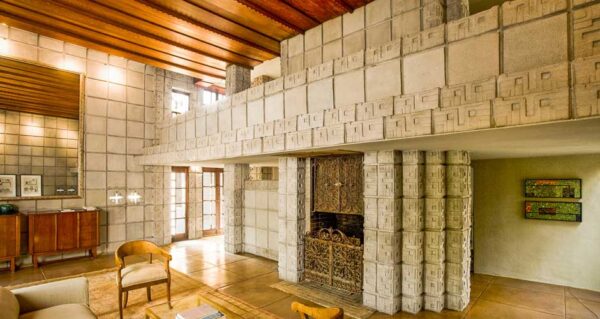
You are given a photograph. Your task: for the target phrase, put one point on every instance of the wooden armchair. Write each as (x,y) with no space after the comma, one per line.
(141,275)
(316,312)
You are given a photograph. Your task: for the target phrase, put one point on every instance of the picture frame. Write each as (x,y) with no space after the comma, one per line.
(31,185)
(553,188)
(556,211)
(8,185)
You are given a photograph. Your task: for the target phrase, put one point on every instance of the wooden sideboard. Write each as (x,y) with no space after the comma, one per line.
(10,238)
(57,232)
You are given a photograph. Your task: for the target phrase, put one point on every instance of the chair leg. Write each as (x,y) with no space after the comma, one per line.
(126,297)
(169,294)
(148,293)
(120,304)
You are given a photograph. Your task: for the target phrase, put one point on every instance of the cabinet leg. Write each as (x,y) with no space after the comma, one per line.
(94,252)
(12,264)
(35,261)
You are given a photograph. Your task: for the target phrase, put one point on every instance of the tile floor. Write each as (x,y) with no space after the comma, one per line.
(249,277)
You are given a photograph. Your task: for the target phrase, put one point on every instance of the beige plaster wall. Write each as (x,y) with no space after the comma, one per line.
(507,244)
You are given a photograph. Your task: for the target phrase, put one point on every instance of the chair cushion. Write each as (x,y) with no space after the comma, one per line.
(141,273)
(9,304)
(70,311)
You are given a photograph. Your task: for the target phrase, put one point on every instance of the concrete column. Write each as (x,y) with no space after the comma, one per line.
(458,229)
(435,222)
(291,217)
(382,277)
(237,79)
(413,204)
(234,176)
(456,9)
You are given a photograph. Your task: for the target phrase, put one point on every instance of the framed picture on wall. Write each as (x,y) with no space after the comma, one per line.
(8,185)
(553,188)
(31,185)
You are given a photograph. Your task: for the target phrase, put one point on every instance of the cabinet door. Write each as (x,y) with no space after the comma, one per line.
(9,232)
(42,233)
(88,229)
(67,231)
(326,188)
(351,188)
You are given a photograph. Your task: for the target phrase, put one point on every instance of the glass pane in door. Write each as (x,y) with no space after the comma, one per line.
(212,194)
(178,202)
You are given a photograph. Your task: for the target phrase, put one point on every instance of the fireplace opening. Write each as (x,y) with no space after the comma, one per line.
(333,246)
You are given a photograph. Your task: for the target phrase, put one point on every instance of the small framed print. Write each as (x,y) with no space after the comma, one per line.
(8,185)
(31,185)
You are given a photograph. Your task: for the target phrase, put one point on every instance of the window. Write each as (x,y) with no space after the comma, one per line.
(209,97)
(180,102)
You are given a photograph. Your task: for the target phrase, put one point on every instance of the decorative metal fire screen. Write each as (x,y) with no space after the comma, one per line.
(332,258)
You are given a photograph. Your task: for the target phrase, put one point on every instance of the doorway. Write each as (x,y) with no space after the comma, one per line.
(178,209)
(212,196)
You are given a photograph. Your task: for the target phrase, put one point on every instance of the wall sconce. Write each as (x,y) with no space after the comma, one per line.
(60,190)
(116,198)
(134,197)
(72,190)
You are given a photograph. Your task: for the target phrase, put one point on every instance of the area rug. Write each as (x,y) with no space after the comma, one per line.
(105,304)
(325,299)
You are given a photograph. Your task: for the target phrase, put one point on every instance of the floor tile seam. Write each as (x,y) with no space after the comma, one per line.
(288,295)
(582,298)
(528,289)
(522,307)
(585,306)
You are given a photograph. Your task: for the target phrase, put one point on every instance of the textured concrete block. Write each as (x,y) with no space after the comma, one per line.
(295,101)
(420,41)
(524,10)
(295,79)
(313,38)
(458,181)
(363,131)
(413,180)
(377,11)
(535,44)
(329,135)
(295,45)
(413,214)
(256,92)
(468,93)
(298,140)
(370,180)
(408,125)
(379,34)
(457,245)
(548,78)
(320,95)
(432,14)
(412,304)
(275,143)
(353,21)
(383,80)
(349,88)
(375,109)
(389,305)
(274,86)
(473,25)
(457,302)
(274,109)
(412,280)
(457,213)
(400,6)
(412,247)
(434,247)
(320,71)
(434,303)
(435,178)
(462,118)
(353,43)
(349,62)
(587,100)
(586,32)
(474,59)
(406,23)
(332,50)
(332,29)
(388,247)
(389,278)
(256,112)
(435,218)
(424,70)
(384,52)
(533,108)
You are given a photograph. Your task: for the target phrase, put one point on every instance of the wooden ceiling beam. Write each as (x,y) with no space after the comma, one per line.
(218,24)
(33,26)
(93,36)
(300,24)
(236,11)
(178,24)
(107,32)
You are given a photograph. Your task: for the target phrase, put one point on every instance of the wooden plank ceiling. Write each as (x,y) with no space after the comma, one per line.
(31,88)
(194,37)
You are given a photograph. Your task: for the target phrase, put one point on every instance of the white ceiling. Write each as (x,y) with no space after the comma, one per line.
(569,137)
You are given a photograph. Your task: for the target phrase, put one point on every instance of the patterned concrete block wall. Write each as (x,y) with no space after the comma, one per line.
(525,62)
(382,285)
(260,218)
(234,176)
(291,217)
(119,120)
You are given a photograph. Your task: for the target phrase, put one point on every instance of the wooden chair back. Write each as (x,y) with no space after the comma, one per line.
(317,312)
(138,247)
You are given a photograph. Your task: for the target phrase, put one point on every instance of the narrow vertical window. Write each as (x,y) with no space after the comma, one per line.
(180,102)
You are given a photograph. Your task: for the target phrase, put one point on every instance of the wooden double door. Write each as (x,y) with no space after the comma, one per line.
(338,184)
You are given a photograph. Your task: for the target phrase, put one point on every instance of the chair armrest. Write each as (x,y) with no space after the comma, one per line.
(69,291)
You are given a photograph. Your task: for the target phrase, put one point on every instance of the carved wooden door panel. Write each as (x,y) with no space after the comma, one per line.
(351,180)
(326,184)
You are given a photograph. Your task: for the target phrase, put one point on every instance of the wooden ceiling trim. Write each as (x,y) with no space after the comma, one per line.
(236,11)
(60,26)
(181,24)
(77,21)
(218,24)
(296,20)
(306,13)
(75,39)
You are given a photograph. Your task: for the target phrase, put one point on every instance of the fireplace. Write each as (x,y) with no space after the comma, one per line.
(334,244)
